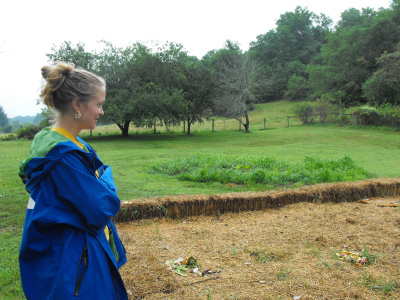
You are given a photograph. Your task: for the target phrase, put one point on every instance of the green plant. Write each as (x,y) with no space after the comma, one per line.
(390,114)
(369,115)
(316,252)
(389,286)
(305,112)
(266,255)
(260,170)
(382,285)
(283,273)
(344,120)
(297,88)
(28,132)
(208,293)
(326,109)
(8,137)
(8,128)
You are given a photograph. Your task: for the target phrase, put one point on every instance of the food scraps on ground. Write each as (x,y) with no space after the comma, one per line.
(354,257)
(180,266)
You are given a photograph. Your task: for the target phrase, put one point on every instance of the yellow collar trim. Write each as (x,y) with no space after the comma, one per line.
(68,135)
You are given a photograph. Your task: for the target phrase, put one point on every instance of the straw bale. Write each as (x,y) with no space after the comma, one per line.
(210,205)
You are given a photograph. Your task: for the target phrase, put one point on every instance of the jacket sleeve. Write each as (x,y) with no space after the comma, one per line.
(107,176)
(83,200)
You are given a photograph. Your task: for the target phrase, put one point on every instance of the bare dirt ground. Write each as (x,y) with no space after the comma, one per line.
(280,253)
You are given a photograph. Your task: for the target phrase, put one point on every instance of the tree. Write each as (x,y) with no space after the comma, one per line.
(298,38)
(116,66)
(76,55)
(3,118)
(350,18)
(297,88)
(236,80)
(344,68)
(169,77)
(143,86)
(381,36)
(384,84)
(199,92)
(348,59)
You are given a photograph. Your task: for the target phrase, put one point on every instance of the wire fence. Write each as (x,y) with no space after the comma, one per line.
(322,117)
(220,124)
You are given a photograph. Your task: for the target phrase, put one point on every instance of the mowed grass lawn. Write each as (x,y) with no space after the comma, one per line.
(376,150)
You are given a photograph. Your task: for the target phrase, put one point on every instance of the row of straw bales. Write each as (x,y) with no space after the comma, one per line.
(193,205)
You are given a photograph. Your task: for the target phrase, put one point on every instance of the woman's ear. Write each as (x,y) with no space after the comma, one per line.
(76,104)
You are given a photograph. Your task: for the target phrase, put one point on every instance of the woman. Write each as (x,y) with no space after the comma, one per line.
(70,248)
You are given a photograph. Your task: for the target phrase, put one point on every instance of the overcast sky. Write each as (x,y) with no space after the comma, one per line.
(29,29)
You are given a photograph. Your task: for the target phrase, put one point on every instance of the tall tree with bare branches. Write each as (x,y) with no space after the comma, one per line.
(236,78)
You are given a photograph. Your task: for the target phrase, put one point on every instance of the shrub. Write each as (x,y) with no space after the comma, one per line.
(369,115)
(8,128)
(28,132)
(305,112)
(326,109)
(390,115)
(8,137)
(344,120)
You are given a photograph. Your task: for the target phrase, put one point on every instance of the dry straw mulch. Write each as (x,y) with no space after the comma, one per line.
(282,252)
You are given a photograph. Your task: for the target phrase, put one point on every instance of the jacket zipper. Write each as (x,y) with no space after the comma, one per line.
(79,276)
(110,265)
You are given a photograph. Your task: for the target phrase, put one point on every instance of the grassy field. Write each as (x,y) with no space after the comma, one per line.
(376,150)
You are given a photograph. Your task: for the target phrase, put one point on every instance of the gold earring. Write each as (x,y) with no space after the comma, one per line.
(77,115)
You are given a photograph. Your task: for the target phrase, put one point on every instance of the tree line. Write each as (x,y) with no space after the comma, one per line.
(160,84)
(355,62)
(304,58)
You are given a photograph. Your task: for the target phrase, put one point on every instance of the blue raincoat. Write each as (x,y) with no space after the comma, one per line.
(65,253)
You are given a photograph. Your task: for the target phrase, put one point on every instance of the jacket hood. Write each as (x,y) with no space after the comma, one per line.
(47,148)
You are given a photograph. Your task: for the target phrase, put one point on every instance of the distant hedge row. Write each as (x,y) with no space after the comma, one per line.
(28,132)
(384,115)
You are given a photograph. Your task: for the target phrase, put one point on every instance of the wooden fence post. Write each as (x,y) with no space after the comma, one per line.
(240,126)
(287,121)
(265,123)
(212,125)
(184,126)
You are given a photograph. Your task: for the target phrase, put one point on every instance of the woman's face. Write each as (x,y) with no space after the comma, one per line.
(93,110)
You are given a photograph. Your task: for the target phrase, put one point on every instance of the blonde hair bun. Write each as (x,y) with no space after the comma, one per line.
(80,84)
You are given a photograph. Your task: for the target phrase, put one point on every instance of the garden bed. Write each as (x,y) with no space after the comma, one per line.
(274,251)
